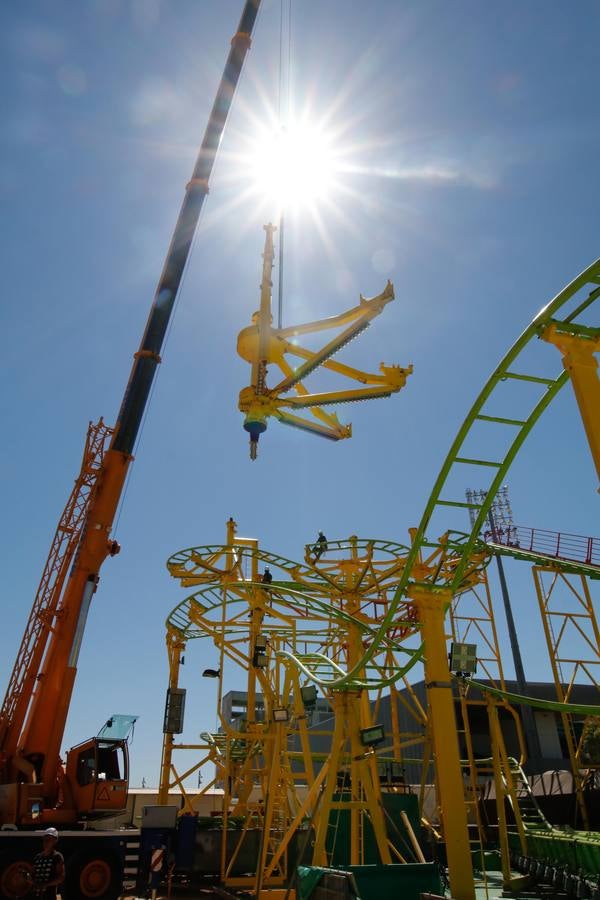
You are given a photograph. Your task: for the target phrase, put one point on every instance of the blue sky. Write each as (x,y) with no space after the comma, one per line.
(471,143)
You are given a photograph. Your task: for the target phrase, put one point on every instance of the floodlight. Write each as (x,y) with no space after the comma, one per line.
(463,658)
(309,695)
(174,710)
(371,736)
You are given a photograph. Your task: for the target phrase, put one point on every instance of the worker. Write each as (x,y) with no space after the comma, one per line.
(48,867)
(267,578)
(320,546)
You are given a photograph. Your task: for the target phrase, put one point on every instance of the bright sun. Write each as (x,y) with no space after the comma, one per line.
(293,167)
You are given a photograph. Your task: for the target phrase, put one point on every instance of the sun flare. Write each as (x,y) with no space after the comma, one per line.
(293,167)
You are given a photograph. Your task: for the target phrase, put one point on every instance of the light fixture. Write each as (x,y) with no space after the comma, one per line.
(174,711)
(281,714)
(397,773)
(259,656)
(371,736)
(309,695)
(463,658)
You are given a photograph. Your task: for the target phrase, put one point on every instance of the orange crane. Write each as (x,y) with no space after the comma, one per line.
(35,786)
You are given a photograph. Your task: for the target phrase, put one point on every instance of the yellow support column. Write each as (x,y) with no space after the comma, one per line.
(431,606)
(175,648)
(495,736)
(581,364)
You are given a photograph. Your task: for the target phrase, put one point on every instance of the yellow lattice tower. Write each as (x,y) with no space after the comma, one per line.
(360,576)
(263,776)
(573,641)
(318,618)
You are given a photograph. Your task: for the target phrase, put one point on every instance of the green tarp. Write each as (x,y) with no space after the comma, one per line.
(308,879)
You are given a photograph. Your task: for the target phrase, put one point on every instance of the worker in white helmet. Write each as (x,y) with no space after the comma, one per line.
(48,867)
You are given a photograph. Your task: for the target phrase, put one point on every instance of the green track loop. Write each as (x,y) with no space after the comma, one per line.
(513,367)
(571,306)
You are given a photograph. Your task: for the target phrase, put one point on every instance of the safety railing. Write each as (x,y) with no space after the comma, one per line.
(555,544)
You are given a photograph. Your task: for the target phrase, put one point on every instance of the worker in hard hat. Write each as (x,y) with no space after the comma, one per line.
(320,546)
(48,867)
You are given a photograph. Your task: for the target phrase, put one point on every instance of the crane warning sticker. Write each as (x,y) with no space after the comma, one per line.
(103,793)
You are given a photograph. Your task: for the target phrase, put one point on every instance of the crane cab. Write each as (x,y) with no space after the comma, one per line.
(97,772)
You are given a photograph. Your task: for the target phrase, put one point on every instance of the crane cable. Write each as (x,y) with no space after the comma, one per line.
(119,510)
(281,127)
(156,378)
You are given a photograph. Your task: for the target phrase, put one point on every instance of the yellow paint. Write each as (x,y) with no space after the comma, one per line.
(581,364)
(262,345)
(432,606)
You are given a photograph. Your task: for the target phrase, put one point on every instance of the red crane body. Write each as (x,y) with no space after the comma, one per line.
(34,785)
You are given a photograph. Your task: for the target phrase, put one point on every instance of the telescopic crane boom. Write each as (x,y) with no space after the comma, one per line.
(33,716)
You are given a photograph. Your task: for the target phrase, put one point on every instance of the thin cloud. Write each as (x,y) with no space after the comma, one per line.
(429,173)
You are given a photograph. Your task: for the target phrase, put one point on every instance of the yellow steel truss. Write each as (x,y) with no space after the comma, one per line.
(326,608)
(573,640)
(317,616)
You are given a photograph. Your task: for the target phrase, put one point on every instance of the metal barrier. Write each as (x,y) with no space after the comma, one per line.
(554,544)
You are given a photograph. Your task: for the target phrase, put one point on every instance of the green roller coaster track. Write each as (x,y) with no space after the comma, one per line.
(309,599)
(571,303)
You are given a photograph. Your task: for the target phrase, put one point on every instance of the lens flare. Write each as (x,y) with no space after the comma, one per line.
(293,167)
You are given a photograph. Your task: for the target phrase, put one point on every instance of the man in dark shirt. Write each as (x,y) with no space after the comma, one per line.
(48,867)
(320,546)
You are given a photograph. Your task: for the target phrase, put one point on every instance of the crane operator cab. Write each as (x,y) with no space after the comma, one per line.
(97,770)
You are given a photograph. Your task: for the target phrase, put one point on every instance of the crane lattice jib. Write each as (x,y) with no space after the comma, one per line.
(570,305)
(45,604)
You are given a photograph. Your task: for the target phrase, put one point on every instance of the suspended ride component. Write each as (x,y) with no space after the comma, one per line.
(262,345)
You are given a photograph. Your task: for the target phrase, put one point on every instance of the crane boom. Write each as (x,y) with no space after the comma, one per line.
(45,695)
(44,608)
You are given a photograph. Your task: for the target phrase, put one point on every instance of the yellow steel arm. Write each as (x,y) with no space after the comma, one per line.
(374,304)
(261,345)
